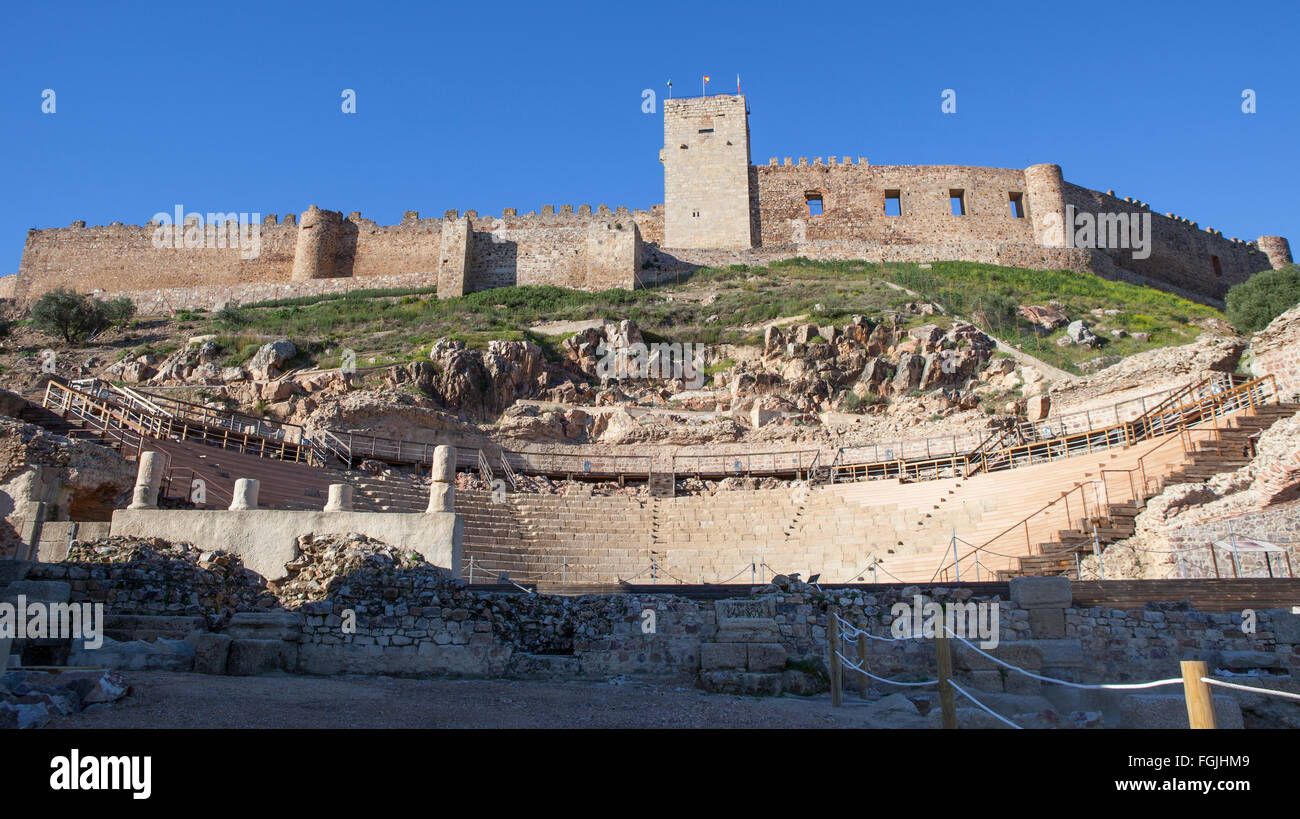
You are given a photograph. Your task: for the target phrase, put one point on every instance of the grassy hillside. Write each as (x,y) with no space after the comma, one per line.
(720,305)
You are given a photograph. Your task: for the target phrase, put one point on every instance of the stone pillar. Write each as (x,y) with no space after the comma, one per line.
(148,478)
(340,499)
(313,257)
(1277,249)
(1045,191)
(442,492)
(245,494)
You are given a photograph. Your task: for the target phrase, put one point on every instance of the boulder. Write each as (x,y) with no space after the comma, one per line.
(268,361)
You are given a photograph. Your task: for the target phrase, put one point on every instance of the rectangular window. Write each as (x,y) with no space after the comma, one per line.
(1017,205)
(706,130)
(957,202)
(814,204)
(1218,269)
(893,203)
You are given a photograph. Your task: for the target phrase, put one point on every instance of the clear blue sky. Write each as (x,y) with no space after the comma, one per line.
(236,106)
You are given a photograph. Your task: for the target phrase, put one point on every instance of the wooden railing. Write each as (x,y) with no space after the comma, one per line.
(1091,501)
(747,463)
(127,420)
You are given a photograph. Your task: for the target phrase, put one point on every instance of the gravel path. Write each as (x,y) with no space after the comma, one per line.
(164,699)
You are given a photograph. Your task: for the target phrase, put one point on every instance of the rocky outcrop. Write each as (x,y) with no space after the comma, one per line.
(478,384)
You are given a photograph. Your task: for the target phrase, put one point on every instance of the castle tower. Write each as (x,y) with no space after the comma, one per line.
(1277,249)
(706,173)
(313,257)
(1045,187)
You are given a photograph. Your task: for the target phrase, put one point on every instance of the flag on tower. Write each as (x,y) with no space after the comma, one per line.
(704,90)
(737,85)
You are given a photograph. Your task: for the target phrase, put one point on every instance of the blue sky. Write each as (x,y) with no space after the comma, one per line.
(236,106)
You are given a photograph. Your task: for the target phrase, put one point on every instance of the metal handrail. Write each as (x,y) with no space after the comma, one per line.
(1188,413)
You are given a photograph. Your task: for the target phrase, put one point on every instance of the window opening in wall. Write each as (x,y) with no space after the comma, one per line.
(695,213)
(706,130)
(1218,269)
(957,202)
(893,203)
(1017,205)
(814,201)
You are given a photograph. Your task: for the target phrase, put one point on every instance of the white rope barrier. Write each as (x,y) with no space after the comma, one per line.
(1287,694)
(1041,678)
(987,710)
(857,632)
(858,668)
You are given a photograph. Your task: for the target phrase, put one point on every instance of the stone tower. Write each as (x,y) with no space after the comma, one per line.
(1277,249)
(1045,187)
(313,257)
(706,173)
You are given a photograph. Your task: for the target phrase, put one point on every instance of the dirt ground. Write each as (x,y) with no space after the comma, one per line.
(164,699)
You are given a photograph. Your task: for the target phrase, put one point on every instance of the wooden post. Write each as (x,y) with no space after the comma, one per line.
(1200,707)
(943,654)
(837,670)
(864,682)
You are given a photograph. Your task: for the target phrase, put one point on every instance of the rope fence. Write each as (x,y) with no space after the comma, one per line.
(1195,677)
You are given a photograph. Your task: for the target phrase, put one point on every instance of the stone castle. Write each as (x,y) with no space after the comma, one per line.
(719,208)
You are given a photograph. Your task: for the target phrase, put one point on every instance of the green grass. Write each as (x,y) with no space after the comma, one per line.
(395,325)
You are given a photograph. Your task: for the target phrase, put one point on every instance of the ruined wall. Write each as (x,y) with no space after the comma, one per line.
(1276,351)
(123,257)
(1182,254)
(853,203)
(328,253)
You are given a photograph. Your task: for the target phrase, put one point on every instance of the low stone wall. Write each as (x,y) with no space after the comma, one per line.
(162,301)
(352,605)
(267,539)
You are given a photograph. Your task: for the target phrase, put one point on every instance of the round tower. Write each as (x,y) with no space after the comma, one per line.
(313,258)
(1045,189)
(1277,249)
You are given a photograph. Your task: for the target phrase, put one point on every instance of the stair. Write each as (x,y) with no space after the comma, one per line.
(662,485)
(1233,450)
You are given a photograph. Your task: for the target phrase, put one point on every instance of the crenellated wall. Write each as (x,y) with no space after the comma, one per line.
(716,205)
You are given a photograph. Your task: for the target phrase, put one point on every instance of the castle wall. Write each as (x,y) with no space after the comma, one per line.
(123,257)
(572,248)
(853,203)
(1182,254)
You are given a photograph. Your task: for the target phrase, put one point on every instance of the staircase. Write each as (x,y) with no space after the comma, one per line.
(662,485)
(1231,449)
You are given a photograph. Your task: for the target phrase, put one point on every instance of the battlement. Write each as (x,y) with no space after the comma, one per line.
(717,205)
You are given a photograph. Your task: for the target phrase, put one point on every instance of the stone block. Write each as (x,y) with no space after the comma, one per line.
(211,652)
(38,591)
(765,657)
(759,607)
(1048,624)
(1247,660)
(1286,627)
(252,657)
(266,625)
(1170,711)
(1041,592)
(1024,655)
(723,655)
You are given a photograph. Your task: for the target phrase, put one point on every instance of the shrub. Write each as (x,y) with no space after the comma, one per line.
(230,315)
(70,316)
(1263,297)
(119,311)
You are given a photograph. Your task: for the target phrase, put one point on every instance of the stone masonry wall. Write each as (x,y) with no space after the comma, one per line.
(1276,350)
(578,248)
